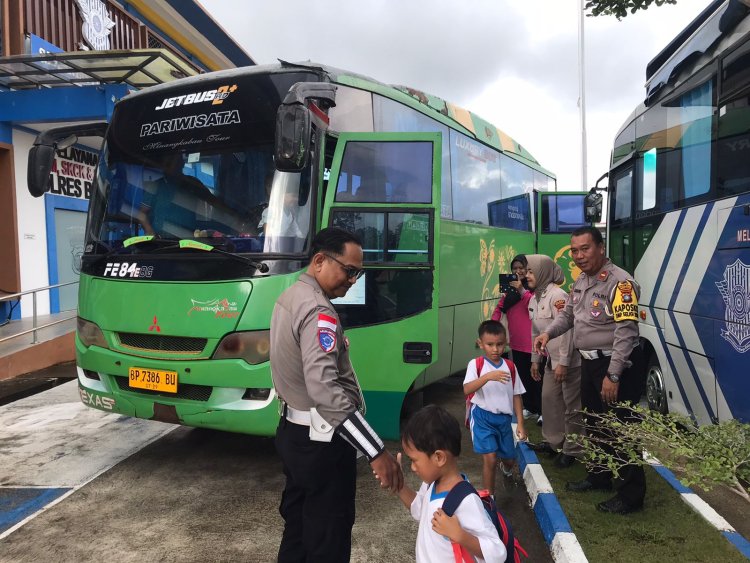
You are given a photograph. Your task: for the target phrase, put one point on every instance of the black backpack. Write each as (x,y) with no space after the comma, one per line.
(458,493)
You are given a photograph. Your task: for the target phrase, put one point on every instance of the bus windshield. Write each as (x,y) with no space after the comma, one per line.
(180,166)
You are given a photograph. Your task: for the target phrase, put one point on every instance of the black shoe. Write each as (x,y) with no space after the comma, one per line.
(542,448)
(564,461)
(616,505)
(585,486)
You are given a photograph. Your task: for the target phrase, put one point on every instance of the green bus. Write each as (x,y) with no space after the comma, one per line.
(208,192)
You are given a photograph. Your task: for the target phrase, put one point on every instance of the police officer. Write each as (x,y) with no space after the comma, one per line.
(604,309)
(561,386)
(321,407)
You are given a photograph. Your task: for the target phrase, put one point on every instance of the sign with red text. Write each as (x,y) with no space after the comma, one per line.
(72,173)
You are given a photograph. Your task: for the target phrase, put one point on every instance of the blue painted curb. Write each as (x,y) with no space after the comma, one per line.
(17,504)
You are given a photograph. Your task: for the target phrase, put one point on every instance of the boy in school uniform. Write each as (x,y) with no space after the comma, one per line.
(431,439)
(497,396)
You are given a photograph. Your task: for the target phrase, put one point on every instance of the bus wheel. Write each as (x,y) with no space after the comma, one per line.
(656,394)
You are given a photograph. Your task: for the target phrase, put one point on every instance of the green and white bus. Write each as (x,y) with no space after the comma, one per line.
(208,192)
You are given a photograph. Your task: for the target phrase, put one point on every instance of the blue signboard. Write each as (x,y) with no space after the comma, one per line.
(38,46)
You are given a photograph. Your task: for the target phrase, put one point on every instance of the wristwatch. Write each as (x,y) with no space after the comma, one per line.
(613,378)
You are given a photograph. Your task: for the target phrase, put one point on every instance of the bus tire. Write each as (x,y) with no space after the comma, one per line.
(656,393)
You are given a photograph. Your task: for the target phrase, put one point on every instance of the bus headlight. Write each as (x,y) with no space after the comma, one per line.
(90,334)
(253,346)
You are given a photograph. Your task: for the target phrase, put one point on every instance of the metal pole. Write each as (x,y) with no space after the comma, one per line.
(33,321)
(582,94)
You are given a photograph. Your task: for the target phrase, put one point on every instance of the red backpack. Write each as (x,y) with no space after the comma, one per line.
(479,363)
(460,491)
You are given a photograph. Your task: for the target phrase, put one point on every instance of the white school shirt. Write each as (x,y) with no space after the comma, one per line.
(435,548)
(494,396)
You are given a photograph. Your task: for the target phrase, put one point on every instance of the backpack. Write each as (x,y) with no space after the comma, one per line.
(479,363)
(512,547)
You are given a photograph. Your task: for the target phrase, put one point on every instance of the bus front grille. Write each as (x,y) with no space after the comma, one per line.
(184,390)
(159,343)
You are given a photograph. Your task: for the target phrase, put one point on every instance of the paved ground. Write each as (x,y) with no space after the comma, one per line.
(189,495)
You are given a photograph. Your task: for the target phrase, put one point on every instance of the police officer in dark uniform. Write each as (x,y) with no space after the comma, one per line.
(321,427)
(604,310)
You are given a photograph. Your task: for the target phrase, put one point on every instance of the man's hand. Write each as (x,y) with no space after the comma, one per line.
(561,372)
(609,391)
(388,472)
(535,375)
(498,375)
(540,343)
(521,431)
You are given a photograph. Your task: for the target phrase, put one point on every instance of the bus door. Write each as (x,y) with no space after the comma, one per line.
(558,215)
(385,187)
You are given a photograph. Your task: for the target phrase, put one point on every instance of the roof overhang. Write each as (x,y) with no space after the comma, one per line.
(139,68)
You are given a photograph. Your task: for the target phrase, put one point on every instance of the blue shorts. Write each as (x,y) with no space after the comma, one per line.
(492,433)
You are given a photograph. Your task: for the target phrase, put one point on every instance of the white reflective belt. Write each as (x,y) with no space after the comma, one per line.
(594,354)
(297,417)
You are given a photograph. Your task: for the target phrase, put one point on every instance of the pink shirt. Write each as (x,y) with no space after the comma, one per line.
(519,322)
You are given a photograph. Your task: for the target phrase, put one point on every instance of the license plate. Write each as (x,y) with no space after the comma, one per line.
(153,379)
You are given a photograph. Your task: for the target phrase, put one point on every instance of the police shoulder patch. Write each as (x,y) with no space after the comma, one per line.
(326,339)
(559,304)
(625,302)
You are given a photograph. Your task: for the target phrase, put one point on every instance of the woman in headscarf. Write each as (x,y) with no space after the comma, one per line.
(515,304)
(561,383)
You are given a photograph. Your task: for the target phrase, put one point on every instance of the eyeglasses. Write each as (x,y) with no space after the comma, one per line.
(350,271)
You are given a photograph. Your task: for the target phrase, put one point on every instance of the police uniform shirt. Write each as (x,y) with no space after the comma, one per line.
(543,313)
(310,364)
(493,396)
(432,546)
(605,310)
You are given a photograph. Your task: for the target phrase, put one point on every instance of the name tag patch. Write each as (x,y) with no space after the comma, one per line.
(625,303)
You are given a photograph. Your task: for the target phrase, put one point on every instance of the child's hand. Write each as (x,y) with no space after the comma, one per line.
(521,432)
(445,525)
(498,375)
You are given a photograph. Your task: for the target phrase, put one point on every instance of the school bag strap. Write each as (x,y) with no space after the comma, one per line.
(451,503)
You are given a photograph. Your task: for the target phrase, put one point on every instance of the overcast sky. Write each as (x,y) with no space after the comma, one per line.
(513,62)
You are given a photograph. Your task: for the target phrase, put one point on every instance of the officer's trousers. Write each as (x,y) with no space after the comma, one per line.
(561,407)
(631,486)
(317,504)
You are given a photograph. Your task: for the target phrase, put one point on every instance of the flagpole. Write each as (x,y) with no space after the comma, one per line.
(582,94)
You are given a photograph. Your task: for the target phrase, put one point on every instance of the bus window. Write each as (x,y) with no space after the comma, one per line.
(370,228)
(623,195)
(475,170)
(733,137)
(390,115)
(512,213)
(386,172)
(562,213)
(515,178)
(395,237)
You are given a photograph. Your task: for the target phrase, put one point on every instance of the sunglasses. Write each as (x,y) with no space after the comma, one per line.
(350,271)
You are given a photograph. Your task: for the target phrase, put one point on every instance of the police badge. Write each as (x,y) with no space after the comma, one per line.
(735,290)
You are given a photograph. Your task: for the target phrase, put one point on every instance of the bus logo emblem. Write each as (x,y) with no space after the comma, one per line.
(735,290)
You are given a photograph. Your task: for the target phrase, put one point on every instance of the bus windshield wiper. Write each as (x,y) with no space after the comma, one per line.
(194,244)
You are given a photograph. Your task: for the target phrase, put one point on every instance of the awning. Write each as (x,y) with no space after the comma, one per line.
(138,68)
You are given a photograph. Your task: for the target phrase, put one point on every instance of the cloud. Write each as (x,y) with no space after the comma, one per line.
(514,62)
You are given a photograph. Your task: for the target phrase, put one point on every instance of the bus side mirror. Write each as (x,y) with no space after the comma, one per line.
(41,158)
(293,131)
(593,206)
(42,154)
